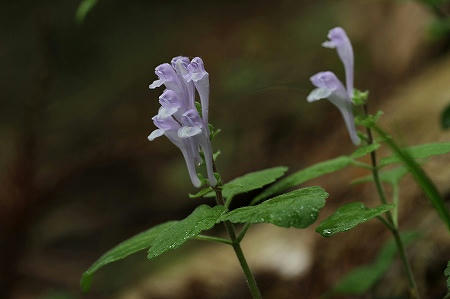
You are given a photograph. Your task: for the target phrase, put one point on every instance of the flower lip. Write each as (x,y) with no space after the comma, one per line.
(165,124)
(337,33)
(169,98)
(192,118)
(180,59)
(325,80)
(165,72)
(196,69)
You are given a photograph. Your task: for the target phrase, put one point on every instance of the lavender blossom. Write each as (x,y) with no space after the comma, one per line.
(331,88)
(178,118)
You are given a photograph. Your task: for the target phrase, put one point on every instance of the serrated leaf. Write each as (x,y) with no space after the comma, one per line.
(304,175)
(251,181)
(137,243)
(298,208)
(348,216)
(202,218)
(361,279)
(419,152)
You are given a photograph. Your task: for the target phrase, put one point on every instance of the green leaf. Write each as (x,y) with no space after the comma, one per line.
(137,243)
(216,155)
(368,120)
(419,152)
(417,172)
(445,117)
(360,97)
(201,193)
(298,208)
(304,175)
(251,181)
(83,9)
(348,216)
(391,176)
(198,107)
(202,218)
(364,150)
(361,279)
(213,131)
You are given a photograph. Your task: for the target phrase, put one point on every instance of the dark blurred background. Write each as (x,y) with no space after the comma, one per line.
(78,175)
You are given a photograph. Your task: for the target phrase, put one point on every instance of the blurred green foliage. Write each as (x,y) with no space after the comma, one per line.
(362,278)
(83,9)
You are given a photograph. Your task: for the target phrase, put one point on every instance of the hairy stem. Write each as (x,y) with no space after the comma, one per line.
(390,222)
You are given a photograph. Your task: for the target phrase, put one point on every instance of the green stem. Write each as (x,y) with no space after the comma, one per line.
(243,231)
(213,239)
(235,243)
(401,249)
(392,227)
(419,175)
(385,222)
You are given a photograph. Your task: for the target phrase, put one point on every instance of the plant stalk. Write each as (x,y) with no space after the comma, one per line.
(235,243)
(392,226)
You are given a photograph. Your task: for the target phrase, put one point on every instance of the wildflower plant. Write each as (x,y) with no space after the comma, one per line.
(354,213)
(185,122)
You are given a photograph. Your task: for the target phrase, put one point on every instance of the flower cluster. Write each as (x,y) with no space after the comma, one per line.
(178,118)
(331,88)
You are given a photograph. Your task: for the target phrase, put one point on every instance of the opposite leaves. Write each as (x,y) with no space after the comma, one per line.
(298,208)
(348,216)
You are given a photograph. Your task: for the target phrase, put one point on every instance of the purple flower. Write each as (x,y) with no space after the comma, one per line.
(331,88)
(178,118)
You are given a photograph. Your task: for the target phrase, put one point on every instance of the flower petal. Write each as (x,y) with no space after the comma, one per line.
(189,158)
(200,76)
(155,134)
(205,144)
(340,41)
(349,120)
(165,112)
(328,80)
(186,132)
(318,94)
(156,83)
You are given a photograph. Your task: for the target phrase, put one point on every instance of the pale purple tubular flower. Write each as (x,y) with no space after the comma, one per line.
(200,77)
(178,118)
(331,88)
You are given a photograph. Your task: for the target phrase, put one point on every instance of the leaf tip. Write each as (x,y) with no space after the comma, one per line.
(86,281)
